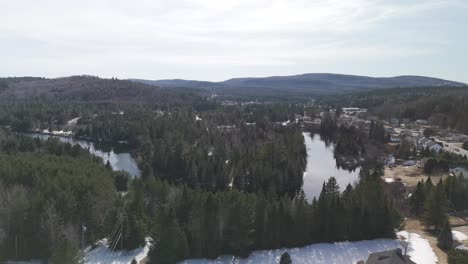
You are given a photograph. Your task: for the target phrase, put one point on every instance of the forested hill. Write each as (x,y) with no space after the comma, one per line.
(443,106)
(310,84)
(89,89)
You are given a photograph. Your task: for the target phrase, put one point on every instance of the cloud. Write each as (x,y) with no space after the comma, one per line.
(116,35)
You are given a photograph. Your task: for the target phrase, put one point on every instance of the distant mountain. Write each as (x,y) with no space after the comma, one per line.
(88,89)
(304,84)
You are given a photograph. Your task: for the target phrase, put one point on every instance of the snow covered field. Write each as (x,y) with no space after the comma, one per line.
(102,255)
(337,253)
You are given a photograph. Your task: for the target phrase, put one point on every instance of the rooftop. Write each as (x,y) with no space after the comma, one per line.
(394,256)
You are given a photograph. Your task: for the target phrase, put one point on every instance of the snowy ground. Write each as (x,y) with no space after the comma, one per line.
(418,249)
(459,236)
(102,255)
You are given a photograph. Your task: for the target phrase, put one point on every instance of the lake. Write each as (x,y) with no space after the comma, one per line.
(321,165)
(118,161)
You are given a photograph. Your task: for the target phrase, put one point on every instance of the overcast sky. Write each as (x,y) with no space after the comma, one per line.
(217,39)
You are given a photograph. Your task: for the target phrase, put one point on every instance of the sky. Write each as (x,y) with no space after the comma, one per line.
(217,40)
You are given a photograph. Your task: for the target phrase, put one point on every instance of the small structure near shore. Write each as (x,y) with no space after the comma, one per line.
(394,256)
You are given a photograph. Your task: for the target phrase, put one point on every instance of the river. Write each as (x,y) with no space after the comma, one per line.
(118,161)
(321,165)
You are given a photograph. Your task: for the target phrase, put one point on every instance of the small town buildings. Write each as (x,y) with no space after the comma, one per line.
(353,110)
(424,142)
(421,122)
(394,256)
(394,122)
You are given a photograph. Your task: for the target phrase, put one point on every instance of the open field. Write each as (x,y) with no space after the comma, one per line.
(410,176)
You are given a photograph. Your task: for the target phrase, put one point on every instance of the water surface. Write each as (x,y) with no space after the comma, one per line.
(321,165)
(118,161)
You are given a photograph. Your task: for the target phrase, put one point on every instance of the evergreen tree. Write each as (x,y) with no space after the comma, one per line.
(171,243)
(436,207)
(285,258)
(417,199)
(445,239)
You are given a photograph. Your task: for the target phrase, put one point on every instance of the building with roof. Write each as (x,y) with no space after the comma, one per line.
(394,256)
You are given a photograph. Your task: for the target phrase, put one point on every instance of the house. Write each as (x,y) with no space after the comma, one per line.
(394,256)
(456,170)
(422,143)
(395,138)
(409,163)
(353,110)
(421,122)
(433,146)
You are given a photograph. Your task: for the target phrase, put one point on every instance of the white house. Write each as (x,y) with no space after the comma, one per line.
(433,146)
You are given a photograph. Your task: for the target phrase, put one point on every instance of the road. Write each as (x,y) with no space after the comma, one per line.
(452,147)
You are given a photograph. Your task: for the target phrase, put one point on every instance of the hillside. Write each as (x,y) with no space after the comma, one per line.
(310,84)
(443,106)
(88,89)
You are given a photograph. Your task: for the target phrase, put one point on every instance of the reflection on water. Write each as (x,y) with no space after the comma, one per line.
(321,165)
(118,161)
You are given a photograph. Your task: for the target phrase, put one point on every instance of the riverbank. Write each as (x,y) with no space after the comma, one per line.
(122,161)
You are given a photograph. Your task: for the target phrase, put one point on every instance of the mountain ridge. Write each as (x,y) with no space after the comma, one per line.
(307,83)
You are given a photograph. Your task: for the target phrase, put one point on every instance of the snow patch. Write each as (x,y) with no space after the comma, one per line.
(419,249)
(462,247)
(103,255)
(459,236)
(73,121)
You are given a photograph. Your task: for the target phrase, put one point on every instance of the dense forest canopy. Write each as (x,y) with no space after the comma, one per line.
(91,89)
(48,189)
